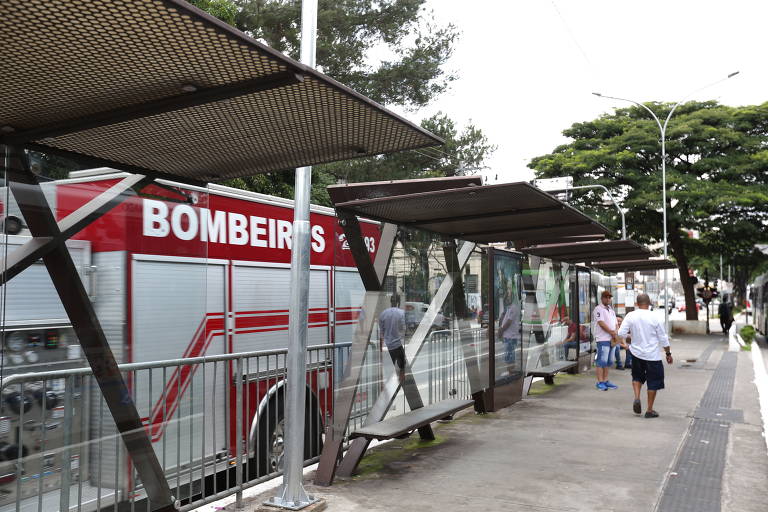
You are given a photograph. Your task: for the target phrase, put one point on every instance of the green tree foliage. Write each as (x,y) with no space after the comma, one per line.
(716,174)
(412,47)
(225,10)
(389,50)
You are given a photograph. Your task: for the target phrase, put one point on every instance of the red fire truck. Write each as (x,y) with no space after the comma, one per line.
(177,272)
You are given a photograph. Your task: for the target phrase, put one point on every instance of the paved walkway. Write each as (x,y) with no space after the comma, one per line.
(570,447)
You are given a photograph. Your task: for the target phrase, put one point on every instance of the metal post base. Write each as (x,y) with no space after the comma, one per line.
(279,502)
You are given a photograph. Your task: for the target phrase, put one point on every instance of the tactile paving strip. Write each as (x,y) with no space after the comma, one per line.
(694,485)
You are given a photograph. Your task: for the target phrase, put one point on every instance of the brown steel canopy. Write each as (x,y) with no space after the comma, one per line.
(603,251)
(632,265)
(160,87)
(492,213)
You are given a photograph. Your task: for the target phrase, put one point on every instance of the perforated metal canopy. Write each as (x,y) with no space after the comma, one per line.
(160,86)
(586,252)
(492,213)
(631,265)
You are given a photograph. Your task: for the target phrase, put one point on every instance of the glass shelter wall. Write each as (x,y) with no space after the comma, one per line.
(548,330)
(190,286)
(508,316)
(432,308)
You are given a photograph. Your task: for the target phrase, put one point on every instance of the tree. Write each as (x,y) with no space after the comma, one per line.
(735,242)
(716,173)
(409,73)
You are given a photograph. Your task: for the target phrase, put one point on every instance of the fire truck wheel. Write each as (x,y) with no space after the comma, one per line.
(271,440)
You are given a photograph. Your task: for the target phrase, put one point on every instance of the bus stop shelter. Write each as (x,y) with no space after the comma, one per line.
(160,89)
(463,213)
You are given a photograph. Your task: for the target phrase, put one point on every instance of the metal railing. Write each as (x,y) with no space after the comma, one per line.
(216,423)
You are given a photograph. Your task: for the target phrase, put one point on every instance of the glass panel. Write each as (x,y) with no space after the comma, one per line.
(508,323)
(547,312)
(429,310)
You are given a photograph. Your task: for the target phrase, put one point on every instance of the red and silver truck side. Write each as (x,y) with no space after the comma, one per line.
(182,272)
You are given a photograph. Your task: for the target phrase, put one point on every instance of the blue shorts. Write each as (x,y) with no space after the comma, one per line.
(604,356)
(648,371)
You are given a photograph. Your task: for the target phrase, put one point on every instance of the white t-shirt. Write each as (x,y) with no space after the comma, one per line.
(648,334)
(511,322)
(605,314)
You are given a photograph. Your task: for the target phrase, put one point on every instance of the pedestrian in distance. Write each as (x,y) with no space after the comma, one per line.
(392,332)
(617,350)
(725,312)
(648,338)
(604,317)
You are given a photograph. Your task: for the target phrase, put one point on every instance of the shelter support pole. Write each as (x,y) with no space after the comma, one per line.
(374,302)
(292,494)
(392,386)
(74,297)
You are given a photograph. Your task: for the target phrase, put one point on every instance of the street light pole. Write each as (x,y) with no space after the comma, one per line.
(663,131)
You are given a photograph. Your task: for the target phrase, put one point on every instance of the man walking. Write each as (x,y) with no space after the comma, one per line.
(648,337)
(392,331)
(725,313)
(605,335)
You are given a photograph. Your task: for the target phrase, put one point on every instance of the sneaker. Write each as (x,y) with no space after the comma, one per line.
(651,414)
(619,367)
(637,407)
(601,386)
(610,385)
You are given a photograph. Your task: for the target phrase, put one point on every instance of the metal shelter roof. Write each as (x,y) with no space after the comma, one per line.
(603,251)
(161,88)
(632,265)
(492,213)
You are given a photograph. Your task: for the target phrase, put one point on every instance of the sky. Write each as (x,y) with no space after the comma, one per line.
(527,68)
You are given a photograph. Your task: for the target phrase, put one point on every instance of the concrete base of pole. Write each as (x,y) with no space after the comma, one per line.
(316,505)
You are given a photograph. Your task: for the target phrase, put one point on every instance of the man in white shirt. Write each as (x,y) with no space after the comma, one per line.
(648,336)
(604,318)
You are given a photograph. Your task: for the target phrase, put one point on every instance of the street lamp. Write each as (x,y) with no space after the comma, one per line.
(663,130)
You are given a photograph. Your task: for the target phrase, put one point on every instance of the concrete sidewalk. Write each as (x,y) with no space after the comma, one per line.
(572,447)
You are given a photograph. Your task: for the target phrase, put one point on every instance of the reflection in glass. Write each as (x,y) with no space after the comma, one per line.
(547,312)
(508,313)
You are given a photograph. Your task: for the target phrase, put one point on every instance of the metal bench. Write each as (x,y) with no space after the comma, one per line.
(398,426)
(548,372)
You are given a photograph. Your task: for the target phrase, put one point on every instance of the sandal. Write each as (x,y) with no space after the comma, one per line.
(637,407)
(651,414)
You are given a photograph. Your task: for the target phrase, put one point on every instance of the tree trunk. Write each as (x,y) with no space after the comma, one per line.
(676,246)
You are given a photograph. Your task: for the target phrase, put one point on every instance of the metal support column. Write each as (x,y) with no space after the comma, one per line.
(292,494)
(74,297)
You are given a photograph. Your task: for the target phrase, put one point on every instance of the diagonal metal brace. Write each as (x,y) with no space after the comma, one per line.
(74,297)
(37,247)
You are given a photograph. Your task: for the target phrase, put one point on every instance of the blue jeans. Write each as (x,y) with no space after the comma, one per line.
(617,356)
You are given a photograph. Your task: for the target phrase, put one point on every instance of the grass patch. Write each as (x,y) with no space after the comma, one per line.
(541,388)
(377,459)
(747,347)
(747,334)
